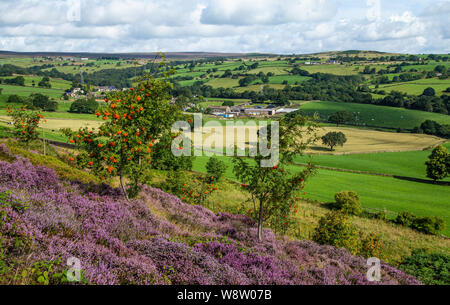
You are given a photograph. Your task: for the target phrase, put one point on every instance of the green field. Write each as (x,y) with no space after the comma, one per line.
(416,87)
(223,82)
(408,163)
(54,82)
(372,115)
(279,79)
(26,91)
(332,69)
(376,192)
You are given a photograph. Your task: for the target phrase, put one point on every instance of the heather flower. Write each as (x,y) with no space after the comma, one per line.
(123,242)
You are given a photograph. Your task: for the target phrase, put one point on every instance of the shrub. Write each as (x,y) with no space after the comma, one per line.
(228,103)
(334,229)
(14,99)
(370,245)
(163,158)
(84,106)
(215,168)
(43,102)
(197,190)
(347,202)
(429,224)
(405,219)
(174,182)
(429,268)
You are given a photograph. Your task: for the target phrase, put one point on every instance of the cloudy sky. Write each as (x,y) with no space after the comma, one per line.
(272,26)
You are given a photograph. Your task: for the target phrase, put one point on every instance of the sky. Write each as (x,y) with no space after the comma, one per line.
(238,26)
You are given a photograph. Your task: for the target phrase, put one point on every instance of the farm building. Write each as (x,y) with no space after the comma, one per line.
(256,111)
(107,88)
(286,110)
(219,109)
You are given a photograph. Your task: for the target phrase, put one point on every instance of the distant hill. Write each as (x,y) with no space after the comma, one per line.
(178,55)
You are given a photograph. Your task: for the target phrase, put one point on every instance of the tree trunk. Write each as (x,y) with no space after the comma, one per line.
(123,187)
(260,220)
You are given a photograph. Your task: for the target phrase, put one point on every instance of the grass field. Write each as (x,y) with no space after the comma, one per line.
(373,115)
(55,83)
(416,87)
(258,87)
(223,82)
(27,90)
(279,79)
(376,192)
(277,70)
(408,163)
(331,69)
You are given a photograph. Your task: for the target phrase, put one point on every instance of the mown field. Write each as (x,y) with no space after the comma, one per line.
(372,115)
(365,141)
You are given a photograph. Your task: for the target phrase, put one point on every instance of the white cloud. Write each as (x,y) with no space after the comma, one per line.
(272,26)
(267,12)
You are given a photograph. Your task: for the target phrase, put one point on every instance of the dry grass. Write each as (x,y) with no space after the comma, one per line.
(56,124)
(397,240)
(370,141)
(358,140)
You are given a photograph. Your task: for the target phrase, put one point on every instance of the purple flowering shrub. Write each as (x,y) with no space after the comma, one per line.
(156,239)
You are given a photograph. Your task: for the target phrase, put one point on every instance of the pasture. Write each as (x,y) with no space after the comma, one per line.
(373,115)
(407,163)
(27,90)
(332,69)
(223,82)
(418,86)
(376,192)
(54,82)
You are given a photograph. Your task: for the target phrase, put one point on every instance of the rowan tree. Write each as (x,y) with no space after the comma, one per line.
(133,121)
(274,189)
(25,123)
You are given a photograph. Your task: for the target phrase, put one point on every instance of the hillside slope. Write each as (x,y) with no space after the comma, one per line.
(156,239)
